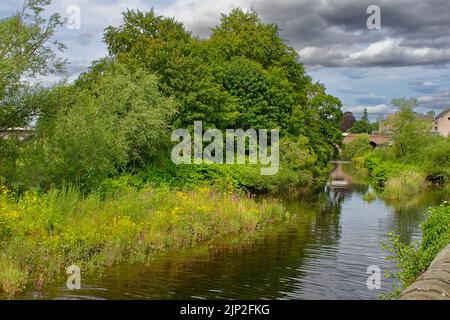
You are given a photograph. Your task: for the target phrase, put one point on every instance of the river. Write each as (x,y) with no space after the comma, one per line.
(323,252)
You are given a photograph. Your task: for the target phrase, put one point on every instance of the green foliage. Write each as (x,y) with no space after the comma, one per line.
(414,156)
(357,147)
(436,158)
(86,135)
(48,232)
(410,133)
(243,76)
(407,183)
(381,171)
(413,259)
(26,50)
(363,125)
(115,119)
(298,173)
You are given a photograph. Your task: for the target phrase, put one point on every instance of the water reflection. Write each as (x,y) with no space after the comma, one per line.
(322,253)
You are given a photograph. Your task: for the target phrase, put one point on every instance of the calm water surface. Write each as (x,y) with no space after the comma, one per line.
(322,253)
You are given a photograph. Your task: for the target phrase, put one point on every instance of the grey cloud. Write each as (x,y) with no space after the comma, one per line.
(371,100)
(332,33)
(438,100)
(424,86)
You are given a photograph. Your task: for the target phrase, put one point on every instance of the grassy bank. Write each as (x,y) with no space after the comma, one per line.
(397,180)
(412,260)
(41,235)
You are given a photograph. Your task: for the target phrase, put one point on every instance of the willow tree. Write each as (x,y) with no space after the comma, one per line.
(27,50)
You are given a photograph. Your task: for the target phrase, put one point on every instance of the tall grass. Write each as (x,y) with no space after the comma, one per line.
(406,184)
(41,235)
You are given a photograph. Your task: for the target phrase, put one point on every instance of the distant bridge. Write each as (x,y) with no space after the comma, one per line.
(375,139)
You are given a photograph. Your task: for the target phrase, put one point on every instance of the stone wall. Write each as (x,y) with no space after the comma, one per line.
(434,284)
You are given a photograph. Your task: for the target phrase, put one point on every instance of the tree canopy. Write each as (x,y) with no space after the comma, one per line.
(243,76)
(27,49)
(157,77)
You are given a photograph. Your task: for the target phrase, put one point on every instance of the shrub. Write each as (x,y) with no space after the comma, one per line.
(436,159)
(359,146)
(413,259)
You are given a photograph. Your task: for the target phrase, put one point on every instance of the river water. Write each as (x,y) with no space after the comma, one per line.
(323,252)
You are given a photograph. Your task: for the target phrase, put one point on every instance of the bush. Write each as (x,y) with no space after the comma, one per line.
(359,146)
(436,159)
(413,259)
(381,171)
(85,135)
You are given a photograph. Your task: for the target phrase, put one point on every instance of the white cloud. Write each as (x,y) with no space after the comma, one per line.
(437,100)
(199,16)
(392,52)
(388,52)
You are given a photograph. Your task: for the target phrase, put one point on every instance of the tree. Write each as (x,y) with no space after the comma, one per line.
(85,135)
(244,75)
(363,125)
(348,120)
(26,50)
(410,132)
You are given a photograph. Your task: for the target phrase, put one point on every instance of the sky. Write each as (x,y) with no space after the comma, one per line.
(409,56)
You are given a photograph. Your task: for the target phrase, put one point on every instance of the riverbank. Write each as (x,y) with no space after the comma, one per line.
(301,258)
(434,284)
(414,160)
(412,260)
(41,235)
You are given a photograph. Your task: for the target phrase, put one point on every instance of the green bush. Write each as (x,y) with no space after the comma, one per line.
(413,259)
(436,159)
(359,146)
(381,171)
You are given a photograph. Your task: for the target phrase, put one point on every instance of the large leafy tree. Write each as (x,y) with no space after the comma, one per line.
(26,50)
(87,134)
(410,132)
(348,120)
(244,75)
(363,125)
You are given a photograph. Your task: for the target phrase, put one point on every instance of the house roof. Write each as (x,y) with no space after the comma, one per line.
(443,113)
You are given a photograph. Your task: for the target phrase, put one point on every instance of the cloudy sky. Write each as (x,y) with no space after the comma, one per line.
(408,57)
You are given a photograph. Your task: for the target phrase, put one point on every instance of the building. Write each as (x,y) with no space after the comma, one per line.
(442,123)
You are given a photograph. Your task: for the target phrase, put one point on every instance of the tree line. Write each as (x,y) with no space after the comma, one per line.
(117,116)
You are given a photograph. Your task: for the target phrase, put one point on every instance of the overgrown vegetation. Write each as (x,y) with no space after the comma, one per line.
(42,234)
(415,158)
(402,170)
(413,259)
(358,146)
